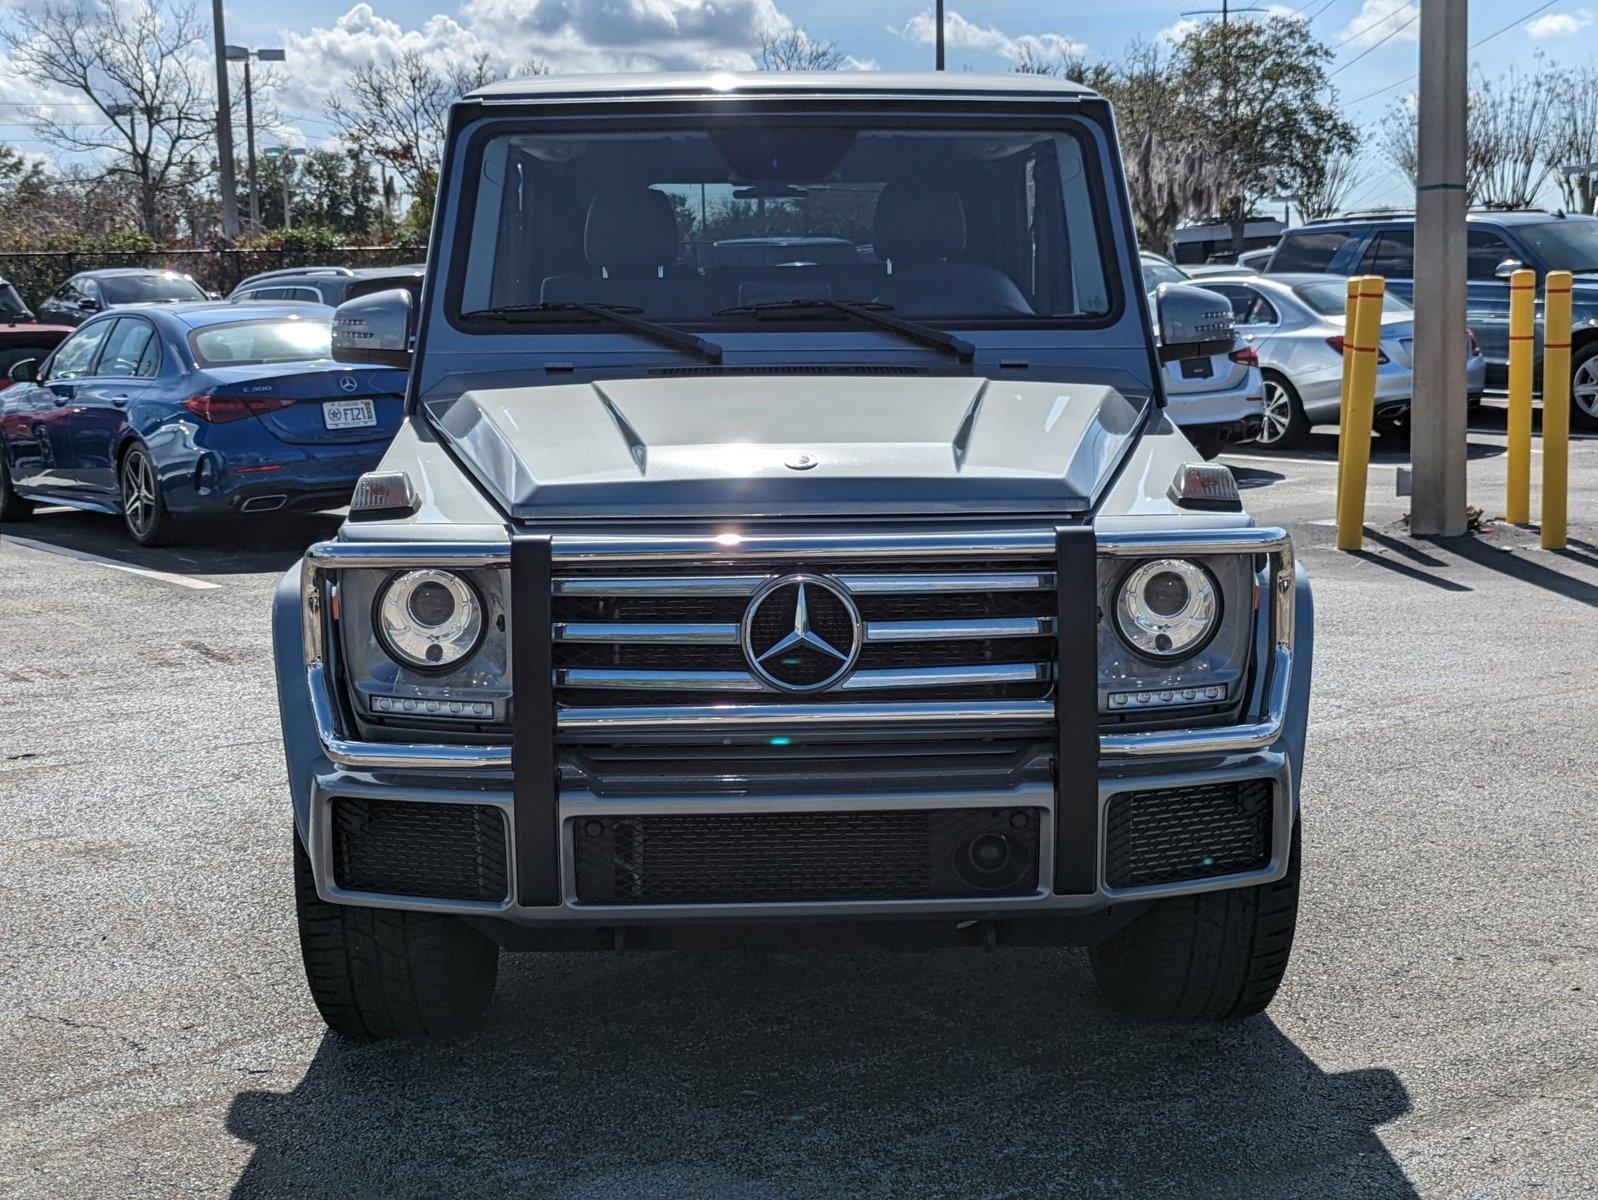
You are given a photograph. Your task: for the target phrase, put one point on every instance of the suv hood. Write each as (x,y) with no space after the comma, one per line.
(774,446)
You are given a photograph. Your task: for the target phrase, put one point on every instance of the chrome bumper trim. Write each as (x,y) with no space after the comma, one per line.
(592,724)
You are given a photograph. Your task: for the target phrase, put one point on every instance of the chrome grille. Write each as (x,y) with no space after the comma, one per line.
(927,634)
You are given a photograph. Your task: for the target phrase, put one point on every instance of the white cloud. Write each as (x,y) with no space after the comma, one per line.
(961,34)
(1378,19)
(1559,25)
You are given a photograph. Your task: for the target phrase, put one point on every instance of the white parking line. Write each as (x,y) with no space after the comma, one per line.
(198,585)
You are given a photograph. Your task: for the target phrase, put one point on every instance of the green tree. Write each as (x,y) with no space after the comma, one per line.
(1259,90)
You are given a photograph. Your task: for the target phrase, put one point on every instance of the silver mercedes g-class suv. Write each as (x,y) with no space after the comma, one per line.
(787,546)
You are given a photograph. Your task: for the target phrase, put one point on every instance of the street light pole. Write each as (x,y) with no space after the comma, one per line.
(224,130)
(249,144)
(940,35)
(244,55)
(1437,415)
(288,155)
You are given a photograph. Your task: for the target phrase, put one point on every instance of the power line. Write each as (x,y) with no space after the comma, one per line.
(1377,45)
(1371,28)
(1481,42)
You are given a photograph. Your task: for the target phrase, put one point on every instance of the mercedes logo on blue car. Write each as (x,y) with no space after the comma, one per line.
(801,633)
(348,383)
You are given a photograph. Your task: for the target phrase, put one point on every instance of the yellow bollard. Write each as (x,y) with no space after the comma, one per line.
(1556,407)
(1522,348)
(1350,306)
(1362,342)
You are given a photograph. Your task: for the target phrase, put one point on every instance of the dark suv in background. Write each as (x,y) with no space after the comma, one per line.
(327,285)
(1499,243)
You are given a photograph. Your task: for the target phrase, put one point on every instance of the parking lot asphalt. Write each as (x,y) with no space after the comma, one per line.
(1437,1034)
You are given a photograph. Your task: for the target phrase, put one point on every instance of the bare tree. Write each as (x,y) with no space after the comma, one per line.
(1324,189)
(136,65)
(796,50)
(1574,138)
(1508,139)
(1516,115)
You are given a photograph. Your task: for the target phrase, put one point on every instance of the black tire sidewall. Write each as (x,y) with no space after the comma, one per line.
(160,530)
(12,506)
(1579,419)
(1297,423)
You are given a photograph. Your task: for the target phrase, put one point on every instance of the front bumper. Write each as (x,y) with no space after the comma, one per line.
(325,766)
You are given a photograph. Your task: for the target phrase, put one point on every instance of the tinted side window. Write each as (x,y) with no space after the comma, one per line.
(75,359)
(1484,251)
(1312,252)
(1391,254)
(130,351)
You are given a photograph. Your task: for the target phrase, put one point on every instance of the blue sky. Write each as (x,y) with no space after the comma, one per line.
(325,37)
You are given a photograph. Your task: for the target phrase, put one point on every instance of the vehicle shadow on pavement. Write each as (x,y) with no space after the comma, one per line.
(224,546)
(936,1074)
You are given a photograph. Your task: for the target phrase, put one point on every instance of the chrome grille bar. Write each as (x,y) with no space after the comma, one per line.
(974,627)
(627,631)
(860,583)
(742,681)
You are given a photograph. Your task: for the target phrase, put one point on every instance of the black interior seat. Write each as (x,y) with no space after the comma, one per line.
(920,231)
(630,243)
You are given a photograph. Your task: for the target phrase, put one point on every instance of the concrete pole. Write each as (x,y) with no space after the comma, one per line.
(224,130)
(1437,418)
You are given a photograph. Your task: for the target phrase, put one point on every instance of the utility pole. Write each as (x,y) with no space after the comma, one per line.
(940,35)
(1437,416)
(243,54)
(224,130)
(1229,143)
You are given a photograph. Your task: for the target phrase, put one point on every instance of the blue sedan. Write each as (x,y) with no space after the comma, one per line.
(193,410)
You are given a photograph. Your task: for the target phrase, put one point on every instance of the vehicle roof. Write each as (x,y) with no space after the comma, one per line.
(1286,279)
(641,85)
(313,271)
(197,314)
(113,272)
(1533,216)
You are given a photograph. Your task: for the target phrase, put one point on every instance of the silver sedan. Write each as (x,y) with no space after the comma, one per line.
(1295,323)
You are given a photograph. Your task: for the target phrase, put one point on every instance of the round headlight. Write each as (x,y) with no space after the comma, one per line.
(1168,608)
(429,620)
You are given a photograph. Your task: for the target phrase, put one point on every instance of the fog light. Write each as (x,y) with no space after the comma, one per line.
(433,706)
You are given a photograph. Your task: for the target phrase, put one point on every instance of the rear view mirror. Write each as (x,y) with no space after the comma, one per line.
(24,371)
(1194,322)
(88,304)
(1508,267)
(374,330)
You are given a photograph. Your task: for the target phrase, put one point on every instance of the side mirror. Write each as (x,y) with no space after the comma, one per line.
(1194,322)
(89,304)
(1508,267)
(24,371)
(374,330)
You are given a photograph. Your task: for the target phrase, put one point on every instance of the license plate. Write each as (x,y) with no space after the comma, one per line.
(349,414)
(1197,368)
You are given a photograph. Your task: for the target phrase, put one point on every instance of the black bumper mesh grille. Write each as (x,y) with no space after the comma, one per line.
(1187,833)
(410,848)
(708,858)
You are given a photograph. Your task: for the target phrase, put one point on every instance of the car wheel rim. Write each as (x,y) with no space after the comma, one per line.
(1278,412)
(138,493)
(1584,387)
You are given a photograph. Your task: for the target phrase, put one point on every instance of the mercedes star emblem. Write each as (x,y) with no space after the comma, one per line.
(801,633)
(348,383)
(801,462)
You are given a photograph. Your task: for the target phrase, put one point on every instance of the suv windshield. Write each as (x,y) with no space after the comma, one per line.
(953,225)
(1567,245)
(149,289)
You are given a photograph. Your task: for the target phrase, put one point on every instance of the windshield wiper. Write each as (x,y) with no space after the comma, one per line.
(869,311)
(620,315)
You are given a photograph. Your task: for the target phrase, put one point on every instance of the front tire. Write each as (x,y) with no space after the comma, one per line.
(1215,956)
(144,511)
(1283,424)
(12,506)
(1584,388)
(384,973)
